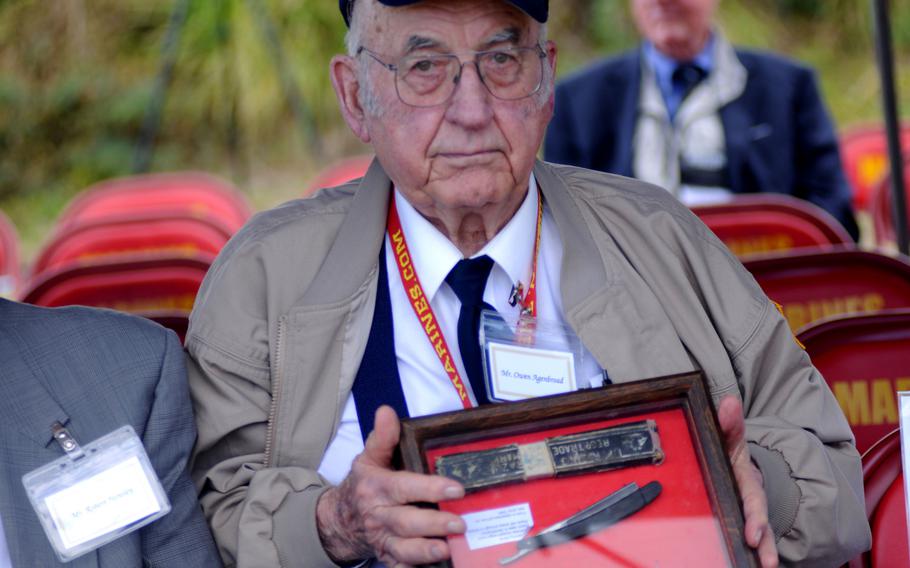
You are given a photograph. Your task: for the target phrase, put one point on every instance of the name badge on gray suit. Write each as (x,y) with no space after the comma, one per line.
(95,494)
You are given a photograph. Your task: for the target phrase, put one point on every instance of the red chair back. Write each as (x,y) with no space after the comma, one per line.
(189,193)
(882,205)
(177,320)
(767,223)
(9,257)
(132,284)
(340,172)
(883,484)
(811,286)
(132,234)
(865,359)
(889,528)
(864,150)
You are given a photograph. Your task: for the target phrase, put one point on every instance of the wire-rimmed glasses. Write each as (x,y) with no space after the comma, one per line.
(428,80)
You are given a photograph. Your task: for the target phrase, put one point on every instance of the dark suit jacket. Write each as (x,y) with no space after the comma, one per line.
(778,134)
(95,371)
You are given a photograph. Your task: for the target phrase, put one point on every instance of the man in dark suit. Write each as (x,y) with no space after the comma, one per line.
(95,371)
(690,113)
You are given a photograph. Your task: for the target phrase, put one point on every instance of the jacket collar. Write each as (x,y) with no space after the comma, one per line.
(596,292)
(355,251)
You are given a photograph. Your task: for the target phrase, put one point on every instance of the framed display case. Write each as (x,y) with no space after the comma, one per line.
(633,474)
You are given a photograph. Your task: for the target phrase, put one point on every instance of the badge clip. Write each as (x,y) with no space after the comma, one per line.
(516,295)
(66,441)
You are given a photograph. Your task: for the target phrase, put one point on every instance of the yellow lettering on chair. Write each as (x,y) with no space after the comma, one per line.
(884,403)
(799,314)
(853,398)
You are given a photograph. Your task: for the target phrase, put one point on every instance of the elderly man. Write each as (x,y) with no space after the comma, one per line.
(305,336)
(691,114)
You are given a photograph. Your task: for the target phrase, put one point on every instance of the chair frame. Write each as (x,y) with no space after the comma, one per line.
(829,232)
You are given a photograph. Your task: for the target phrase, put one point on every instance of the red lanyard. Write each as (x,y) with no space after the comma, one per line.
(421,304)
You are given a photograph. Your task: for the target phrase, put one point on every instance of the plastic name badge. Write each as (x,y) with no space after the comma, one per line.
(528,357)
(95,494)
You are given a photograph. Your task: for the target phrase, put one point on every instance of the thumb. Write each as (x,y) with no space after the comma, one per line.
(383,440)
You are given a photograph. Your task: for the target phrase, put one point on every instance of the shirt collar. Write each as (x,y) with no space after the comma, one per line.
(664,66)
(434,255)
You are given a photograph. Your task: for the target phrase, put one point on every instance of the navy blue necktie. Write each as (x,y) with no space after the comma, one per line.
(686,77)
(468,280)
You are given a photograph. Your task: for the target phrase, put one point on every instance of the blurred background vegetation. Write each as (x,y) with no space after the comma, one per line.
(77,77)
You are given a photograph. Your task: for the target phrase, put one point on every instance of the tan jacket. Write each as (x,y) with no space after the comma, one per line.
(281,323)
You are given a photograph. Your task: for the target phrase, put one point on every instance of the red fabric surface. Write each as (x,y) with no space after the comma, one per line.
(677,529)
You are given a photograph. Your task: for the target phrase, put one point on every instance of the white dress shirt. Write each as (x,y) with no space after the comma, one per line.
(427,388)
(5,561)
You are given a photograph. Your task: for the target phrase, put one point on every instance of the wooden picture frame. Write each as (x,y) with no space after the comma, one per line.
(703,514)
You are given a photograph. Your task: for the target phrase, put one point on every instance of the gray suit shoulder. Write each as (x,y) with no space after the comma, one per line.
(79,323)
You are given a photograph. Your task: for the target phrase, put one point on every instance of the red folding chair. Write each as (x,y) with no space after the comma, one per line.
(140,284)
(865,359)
(811,286)
(9,257)
(177,320)
(881,206)
(132,234)
(864,150)
(889,528)
(883,483)
(768,223)
(180,194)
(340,172)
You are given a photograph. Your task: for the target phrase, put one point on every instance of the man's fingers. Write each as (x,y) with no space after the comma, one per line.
(755,502)
(413,522)
(403,552)
(409,487)
(381,442)
(767,550)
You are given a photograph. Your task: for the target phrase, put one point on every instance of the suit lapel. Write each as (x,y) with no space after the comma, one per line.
(25,403)
(28,409)
(627,109)
(737,131)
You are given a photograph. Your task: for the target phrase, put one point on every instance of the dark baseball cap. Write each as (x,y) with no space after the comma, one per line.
(537,9)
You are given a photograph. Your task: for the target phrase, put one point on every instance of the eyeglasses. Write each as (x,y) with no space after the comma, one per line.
(429,80)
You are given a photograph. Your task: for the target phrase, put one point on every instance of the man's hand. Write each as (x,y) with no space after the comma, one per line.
(751,485)
(370,513)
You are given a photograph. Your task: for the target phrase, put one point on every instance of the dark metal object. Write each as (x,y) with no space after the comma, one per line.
(599,516)
(476,470)
(585,452)
(885,59)
(143,158)
(302,114)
